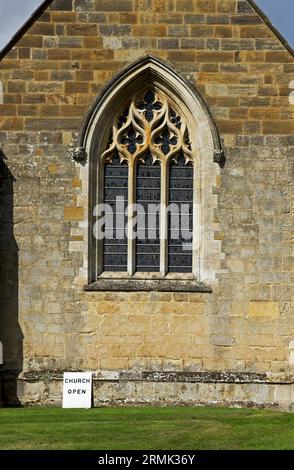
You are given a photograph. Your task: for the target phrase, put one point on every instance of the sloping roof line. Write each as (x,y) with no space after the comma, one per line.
(25,27)
(268,22)
(45,4)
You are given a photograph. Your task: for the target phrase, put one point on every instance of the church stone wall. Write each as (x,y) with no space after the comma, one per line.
(233,345)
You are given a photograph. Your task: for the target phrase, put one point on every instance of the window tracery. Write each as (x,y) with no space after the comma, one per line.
(149,123)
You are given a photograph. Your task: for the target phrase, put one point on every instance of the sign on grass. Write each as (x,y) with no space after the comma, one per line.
(77,390)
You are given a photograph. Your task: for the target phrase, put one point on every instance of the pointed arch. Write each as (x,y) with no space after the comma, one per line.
(205,150)
(149,69)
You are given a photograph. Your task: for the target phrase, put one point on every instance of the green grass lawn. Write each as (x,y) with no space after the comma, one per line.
(145,428)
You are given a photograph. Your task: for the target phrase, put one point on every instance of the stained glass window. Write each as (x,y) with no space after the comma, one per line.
(148,161)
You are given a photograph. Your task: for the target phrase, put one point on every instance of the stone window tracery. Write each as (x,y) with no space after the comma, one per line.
(150,122)
(148,159)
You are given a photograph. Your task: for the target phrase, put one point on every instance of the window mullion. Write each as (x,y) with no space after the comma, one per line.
(131,202)
(163,218)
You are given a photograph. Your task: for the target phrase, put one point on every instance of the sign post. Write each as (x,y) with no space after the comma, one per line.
(77,390)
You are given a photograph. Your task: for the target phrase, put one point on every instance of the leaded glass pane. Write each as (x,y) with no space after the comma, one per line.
(148,199)
(180,218)
(116,198)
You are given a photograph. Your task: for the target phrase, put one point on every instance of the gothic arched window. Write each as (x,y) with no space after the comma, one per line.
(152,145)
(148,181)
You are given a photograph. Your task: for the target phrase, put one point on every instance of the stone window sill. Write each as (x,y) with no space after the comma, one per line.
(159,285)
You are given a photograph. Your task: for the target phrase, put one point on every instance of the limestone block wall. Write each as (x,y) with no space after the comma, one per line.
(235,343)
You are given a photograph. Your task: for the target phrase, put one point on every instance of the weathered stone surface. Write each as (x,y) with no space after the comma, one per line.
(107,392)
(147,342)
(150,285)
(263,309)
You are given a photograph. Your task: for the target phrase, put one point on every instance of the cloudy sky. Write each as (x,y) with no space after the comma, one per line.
(13,13)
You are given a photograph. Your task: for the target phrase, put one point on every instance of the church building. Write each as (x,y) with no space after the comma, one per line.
(147,204)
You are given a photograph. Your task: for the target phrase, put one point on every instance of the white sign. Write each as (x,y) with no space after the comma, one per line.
(77,390)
